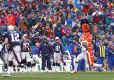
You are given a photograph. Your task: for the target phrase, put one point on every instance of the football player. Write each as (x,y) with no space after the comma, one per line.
(26,50)
(4,55)
(13,38)
(67,61)
(57,54)
(83,55)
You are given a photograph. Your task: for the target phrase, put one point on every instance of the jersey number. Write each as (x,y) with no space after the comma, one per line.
(15,37)
(57,48)
(26,45)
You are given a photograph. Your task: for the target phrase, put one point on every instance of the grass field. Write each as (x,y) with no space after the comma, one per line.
(62,76)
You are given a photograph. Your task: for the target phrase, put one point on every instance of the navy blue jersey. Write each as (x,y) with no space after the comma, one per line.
(45,49)
(25,46)
(14,38)
(57,48)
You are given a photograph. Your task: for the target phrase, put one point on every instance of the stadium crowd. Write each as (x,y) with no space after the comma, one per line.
(61,21)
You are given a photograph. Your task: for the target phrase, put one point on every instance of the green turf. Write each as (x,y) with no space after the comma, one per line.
(62,76)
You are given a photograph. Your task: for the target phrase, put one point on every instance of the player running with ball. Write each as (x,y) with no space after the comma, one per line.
(84,55)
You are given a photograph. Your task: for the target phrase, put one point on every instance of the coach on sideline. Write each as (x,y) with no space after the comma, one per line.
(45,51)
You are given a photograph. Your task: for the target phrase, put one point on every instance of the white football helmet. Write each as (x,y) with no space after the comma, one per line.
(11,28)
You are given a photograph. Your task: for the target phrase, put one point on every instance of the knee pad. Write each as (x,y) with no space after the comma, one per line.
(54,64)
(33,64)
(14,68)
(64,64)
(29,64)
(10,63)
(57,64)
(5,66)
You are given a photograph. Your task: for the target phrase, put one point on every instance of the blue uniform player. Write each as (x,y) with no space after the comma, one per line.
(25,51)
(13,38)
(58,50)
(4,53)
